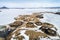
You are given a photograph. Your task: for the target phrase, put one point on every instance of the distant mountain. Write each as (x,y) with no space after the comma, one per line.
(3,7)
(52,7)
(37,8)
(30,7)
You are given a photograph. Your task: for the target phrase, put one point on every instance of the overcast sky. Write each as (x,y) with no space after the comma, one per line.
(30,3)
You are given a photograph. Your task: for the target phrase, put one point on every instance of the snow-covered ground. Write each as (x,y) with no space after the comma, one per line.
(7,16)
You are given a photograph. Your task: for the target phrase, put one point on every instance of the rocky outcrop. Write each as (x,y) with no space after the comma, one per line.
(33,27)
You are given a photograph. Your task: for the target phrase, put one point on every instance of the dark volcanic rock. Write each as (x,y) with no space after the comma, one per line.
(5,33)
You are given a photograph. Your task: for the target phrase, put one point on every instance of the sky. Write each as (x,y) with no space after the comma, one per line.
(30,3)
